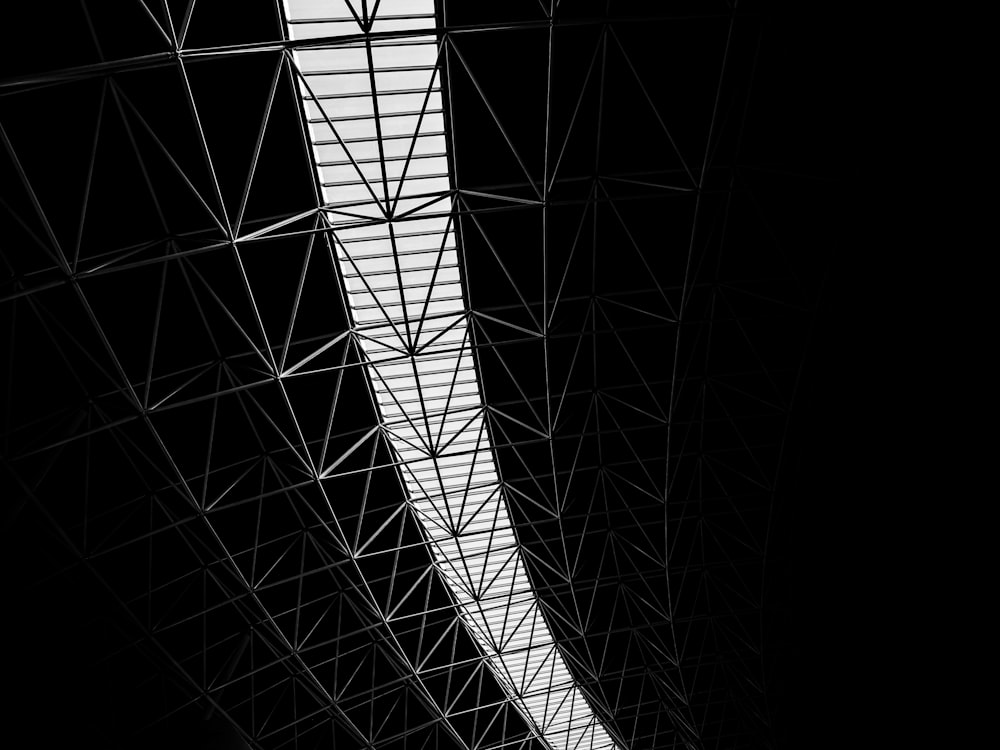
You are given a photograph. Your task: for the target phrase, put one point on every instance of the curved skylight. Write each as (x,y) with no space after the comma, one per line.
(376,124)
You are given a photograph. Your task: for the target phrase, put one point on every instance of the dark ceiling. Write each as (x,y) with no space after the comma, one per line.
(660,240)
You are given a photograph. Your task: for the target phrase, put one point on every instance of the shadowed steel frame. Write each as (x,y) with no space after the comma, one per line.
(694,670)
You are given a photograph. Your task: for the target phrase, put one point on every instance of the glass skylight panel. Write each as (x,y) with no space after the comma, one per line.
(374,116)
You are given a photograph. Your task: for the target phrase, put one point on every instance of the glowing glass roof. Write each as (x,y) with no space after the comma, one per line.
(376,123)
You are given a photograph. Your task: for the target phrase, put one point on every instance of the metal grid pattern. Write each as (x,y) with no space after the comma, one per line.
(210,395)
(375,118)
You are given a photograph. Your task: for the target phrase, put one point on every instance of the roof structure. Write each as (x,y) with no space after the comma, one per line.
(376,124)
(399,373)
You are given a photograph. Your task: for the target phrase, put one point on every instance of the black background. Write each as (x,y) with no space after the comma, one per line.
(828,92)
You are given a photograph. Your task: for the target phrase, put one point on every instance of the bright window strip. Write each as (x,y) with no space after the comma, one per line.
(405,294)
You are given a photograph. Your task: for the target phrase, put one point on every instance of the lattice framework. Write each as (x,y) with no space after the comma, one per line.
(260,544)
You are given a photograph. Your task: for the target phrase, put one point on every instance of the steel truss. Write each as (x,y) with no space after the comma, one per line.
(223,446)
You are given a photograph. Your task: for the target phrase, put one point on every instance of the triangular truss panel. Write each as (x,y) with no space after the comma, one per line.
(397,373)
(638,339)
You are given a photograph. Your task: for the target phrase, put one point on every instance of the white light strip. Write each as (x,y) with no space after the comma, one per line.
(406,298)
